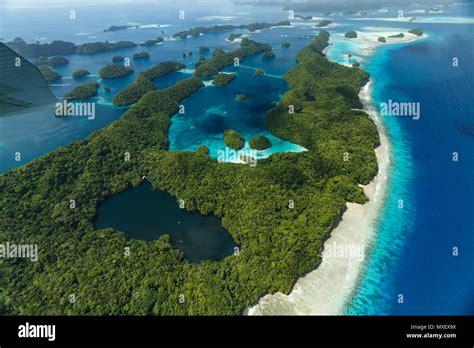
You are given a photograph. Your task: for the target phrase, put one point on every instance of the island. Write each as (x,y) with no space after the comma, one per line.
(54,48)
(212,66)
(269,55)
(58,61)
(233,139)
(258,72)
(134,91)
(351,34)
(48,74)
(219,28)
(222,80)
(84,91)
(306,18)
(323,23)
(277,244)
(116,59)
(260,142)
(397,36)
(80,73)
(152,42)
(416,31)
(143,83)
(241,97)
(98,47)
(120,27)
(233,36)
(285,44)
(382,39)
(114,71)
(218,52)
(204,49)
(141,55)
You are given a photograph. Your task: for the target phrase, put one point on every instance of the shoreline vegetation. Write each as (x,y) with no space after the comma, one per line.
(211,67)
(144,83)
(293,201)
(84,91)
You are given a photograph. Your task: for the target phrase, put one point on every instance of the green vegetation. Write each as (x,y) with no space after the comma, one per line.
(218,52)
(269,55)
(233,36)
(114,71)
(323,23)
(152,42)
(48,74)
(241,97)
(143,83)
(306,18)
(285,44)
(260,142)
(233,139)
(351,34)
(116,59)
(80,73)
(141,55)
(219,28)
(258,72)
(134,91)
(162,69)
(416,31)
(278,243)
(203,49)
(222,80)
(212,66)
(84,91)
(54,48)
(98,47)
(58,61)
(398,36)
(119,27)
(381,39)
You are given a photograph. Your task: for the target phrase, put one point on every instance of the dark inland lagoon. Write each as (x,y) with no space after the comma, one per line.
(145,213)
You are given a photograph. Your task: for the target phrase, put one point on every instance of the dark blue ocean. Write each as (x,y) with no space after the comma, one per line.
(413,251)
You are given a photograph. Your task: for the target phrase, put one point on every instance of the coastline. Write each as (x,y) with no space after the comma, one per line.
(327,289)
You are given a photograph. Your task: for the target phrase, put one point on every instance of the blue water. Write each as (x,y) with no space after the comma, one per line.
(412,254)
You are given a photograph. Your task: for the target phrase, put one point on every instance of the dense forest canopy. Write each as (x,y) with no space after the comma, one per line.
(278,212)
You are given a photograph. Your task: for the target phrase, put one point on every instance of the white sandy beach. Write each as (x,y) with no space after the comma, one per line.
(326,290)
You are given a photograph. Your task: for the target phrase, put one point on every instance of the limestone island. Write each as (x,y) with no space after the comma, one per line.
(222,80)
(382,39)
(58,61)
(241,97)
(269,55)
(260,142)
(233,36)
(285,44)
(323,23)
(98,47)
(116,59)
(351,34)
(218,52)
(84,91)
(48,74)
(141,55)
(204,49)
(152,42)
(416,31)
(258,72)
(143,83)
(233,139)
(398,36)
(80,73)
(114,71)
